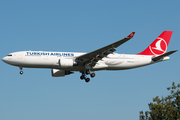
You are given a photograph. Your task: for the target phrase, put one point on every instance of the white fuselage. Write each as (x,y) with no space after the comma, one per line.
(42,59)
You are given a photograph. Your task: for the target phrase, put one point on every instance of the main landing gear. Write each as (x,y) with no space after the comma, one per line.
(21,72)
(84,75)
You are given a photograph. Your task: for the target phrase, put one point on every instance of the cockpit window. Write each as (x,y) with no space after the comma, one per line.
(9,55)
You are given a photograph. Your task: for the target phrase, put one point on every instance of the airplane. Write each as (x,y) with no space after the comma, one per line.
(66,63)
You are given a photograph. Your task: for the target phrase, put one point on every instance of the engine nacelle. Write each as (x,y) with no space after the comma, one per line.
(60,73)
(66,63)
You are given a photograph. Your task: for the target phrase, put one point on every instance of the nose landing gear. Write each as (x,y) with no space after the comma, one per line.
(21,72)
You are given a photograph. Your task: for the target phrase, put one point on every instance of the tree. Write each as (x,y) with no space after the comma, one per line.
(166,108)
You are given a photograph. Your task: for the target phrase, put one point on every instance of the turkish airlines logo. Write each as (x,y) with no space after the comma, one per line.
(158,47)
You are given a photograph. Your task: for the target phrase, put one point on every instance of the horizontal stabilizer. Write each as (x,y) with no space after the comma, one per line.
(163,55)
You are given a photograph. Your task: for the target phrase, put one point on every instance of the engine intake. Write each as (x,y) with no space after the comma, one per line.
(66,63)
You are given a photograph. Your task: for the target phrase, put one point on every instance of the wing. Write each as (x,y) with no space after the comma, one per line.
(93,57)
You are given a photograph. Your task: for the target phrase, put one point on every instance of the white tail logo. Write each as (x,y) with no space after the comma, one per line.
(159,47)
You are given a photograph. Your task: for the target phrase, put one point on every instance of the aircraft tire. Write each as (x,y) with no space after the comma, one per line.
(21,72)
(87,80)
(82,77)
(88,72)
(93,75)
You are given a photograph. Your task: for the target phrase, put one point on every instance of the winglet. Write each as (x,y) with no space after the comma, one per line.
(131,35)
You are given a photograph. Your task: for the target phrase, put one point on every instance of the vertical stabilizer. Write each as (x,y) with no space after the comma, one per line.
(159,46)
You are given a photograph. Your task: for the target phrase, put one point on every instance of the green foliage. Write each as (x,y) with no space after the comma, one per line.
(166,108)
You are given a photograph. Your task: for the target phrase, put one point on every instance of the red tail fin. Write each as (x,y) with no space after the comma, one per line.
(159,46)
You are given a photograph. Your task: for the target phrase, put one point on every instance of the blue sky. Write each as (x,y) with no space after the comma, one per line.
(83,26)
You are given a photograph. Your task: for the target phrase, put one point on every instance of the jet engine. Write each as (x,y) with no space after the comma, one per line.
(60,73)
(66,63)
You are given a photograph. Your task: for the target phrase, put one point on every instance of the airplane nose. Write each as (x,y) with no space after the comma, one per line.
(4,59)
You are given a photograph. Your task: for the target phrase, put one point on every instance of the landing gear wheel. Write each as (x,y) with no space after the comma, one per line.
(82,77)
(21,72)
(92,75)
(88,72)
(87,79)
